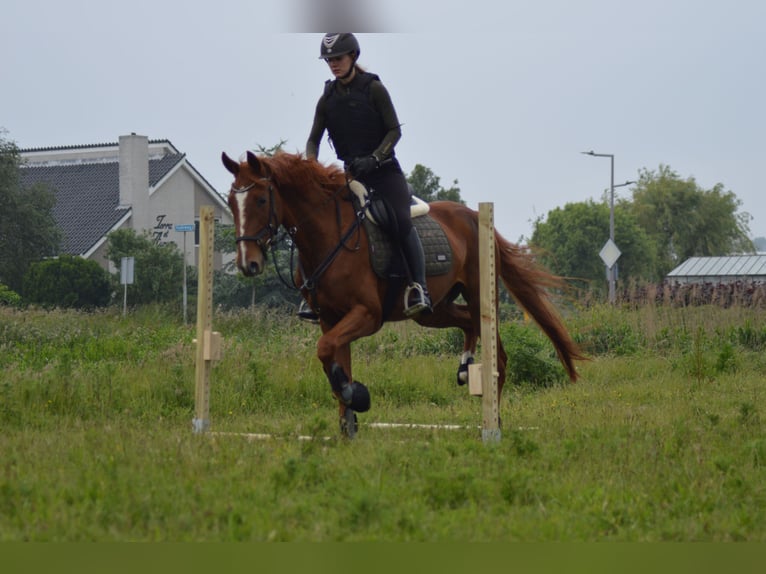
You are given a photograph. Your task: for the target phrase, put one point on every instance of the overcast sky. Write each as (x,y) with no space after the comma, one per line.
(502,96)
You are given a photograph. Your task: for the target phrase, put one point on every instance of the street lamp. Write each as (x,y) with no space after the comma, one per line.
(610,269)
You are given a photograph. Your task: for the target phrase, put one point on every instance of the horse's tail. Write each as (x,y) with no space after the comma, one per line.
(528,283)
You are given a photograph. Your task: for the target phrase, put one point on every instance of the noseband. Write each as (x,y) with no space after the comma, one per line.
(270,228)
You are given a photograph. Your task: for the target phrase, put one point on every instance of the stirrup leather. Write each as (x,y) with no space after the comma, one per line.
(420,300)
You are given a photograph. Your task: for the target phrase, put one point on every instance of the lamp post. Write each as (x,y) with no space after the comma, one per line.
(610,269)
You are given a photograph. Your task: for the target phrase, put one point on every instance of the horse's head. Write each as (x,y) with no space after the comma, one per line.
(252,202)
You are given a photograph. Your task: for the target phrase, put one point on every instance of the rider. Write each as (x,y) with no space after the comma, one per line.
(356,110)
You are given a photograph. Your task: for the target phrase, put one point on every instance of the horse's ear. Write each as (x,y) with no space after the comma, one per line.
(259,167)
(255,164)
(230,164)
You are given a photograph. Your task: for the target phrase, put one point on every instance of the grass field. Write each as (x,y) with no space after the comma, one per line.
(662,439)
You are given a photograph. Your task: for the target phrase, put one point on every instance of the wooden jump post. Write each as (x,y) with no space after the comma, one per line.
(482,377)
(208,341)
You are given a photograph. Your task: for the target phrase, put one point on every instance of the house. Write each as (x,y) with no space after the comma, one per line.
(137,183)
(720,270)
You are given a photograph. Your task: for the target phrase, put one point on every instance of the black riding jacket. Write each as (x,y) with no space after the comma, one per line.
(359,117)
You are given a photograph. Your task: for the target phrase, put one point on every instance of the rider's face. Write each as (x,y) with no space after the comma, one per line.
(340,65)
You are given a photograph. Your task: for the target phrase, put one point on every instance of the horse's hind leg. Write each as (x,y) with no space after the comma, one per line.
(456,315)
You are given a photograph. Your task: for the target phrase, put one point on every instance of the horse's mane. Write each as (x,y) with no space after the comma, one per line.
(296,171)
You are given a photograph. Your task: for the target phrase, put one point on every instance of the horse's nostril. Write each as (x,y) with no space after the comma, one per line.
(253,268)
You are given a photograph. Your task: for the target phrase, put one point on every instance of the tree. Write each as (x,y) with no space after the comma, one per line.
(425,185)
(28,231)
(760,243)
(568,242)
(67,281)
(158,266)
(685,220)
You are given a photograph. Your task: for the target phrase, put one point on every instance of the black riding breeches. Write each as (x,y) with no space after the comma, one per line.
(389,182)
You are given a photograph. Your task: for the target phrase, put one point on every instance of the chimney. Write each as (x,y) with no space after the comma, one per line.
(134,178)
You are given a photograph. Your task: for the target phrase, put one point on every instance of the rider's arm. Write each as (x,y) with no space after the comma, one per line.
(382,102)
(317,130)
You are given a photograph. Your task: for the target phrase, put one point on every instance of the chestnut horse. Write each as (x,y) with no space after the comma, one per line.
(312,202)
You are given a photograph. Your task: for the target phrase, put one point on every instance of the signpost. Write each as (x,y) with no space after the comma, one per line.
(185,228)
(127,265)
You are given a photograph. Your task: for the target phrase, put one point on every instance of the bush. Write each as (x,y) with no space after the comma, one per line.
(9,297)
(158,267)
(532,359)
(69,281)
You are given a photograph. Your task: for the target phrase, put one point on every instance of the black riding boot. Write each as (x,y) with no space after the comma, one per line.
(416,296)
(306,313)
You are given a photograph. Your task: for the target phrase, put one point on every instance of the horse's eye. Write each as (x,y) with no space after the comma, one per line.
(260,201)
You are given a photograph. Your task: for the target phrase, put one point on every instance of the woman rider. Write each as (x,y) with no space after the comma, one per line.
(356,110)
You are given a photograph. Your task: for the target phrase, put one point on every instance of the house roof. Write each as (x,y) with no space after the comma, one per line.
(728,266)
(88,195)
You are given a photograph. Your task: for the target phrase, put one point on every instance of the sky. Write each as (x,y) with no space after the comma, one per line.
(501,96)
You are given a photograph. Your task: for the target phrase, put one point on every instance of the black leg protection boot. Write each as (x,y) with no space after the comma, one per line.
(416,298)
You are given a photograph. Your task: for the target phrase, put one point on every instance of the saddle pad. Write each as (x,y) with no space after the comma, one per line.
(436,248)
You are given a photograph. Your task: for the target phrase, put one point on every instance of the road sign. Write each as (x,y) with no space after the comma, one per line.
(185,227)
(610,253)
(127,265)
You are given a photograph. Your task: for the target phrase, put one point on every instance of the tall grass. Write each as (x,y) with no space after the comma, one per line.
(662,439)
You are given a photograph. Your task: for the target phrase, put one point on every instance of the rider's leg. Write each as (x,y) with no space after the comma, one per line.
(418,298)
(390,183)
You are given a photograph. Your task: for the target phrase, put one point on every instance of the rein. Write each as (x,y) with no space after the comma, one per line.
(310,283)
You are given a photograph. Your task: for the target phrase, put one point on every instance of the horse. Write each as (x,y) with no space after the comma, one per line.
(313,203)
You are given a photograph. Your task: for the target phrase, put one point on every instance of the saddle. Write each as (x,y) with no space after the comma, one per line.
(417,208)
(386,258)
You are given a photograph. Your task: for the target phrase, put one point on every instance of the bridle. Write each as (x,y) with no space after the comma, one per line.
(270,228)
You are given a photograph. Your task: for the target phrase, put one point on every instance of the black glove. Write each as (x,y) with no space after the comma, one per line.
(361,166)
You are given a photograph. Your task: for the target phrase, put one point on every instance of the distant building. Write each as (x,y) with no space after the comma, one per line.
(721,270)
(136,183)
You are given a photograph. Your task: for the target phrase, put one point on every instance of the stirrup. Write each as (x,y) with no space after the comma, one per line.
(420,301)
(305,313)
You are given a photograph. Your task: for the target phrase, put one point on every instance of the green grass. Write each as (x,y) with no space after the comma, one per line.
(661,440)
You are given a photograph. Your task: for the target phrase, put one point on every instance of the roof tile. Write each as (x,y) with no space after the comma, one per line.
(88,197)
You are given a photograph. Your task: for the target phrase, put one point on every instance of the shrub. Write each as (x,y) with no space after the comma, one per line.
(68,281)
(531,356)
(158,266)
(9,297)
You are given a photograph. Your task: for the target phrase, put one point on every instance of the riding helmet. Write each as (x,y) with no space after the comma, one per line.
(334,44)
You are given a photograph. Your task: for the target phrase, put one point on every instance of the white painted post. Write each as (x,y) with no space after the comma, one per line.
(127,265)
(490,428)
(185,296)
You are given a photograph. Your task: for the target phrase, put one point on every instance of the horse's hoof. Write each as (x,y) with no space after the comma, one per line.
(349,424)
(360,398)
(462,372)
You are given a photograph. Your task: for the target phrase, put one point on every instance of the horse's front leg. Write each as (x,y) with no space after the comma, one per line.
(334,350)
